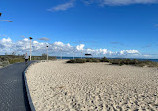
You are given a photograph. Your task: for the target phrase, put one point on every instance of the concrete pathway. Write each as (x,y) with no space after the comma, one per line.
(13,95)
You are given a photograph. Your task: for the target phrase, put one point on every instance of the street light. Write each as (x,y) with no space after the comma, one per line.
(5,20)
(61,53)
(73,54)
(81,54)
(47,53)
(30,46)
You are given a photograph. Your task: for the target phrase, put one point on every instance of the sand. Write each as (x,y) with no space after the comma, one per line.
(57,86)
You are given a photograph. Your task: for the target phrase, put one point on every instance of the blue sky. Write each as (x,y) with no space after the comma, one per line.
(114,25)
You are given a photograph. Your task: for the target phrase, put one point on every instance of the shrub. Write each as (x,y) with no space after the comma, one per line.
(120,62)
(71,61)
(104,60)
(80,60)
(147,63)
(95,60)
(76,61)
(133,62)
(15,60)
(4,63)
(116,61)
(89,60)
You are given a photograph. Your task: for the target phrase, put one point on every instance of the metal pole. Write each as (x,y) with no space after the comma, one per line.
(73,54)
(47,53)
(81,54)
(61,54)
(30,49)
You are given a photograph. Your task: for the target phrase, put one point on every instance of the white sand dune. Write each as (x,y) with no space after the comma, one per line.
(57,86)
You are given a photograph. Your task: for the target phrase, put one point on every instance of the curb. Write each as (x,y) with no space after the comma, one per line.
(27,89)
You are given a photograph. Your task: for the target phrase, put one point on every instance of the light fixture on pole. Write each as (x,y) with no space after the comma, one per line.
(5,20)
(61,54)
(73,54)
(47,52)
(81,54)
(30,46)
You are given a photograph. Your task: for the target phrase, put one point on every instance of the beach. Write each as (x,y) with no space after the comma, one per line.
(59,86)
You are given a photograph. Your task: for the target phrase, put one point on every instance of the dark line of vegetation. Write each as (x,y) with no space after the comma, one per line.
(11,59)
(120,62)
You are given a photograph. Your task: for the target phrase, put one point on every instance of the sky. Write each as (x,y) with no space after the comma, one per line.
(111,28)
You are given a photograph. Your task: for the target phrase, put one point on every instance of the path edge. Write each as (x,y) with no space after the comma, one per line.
(27,89)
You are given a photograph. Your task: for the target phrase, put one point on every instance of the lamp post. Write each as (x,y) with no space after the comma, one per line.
(30,46)
(5,20)
(81,54)
(73,54)
(47,52)
(61,54)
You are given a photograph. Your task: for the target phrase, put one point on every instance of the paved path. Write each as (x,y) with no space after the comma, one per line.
(13,95)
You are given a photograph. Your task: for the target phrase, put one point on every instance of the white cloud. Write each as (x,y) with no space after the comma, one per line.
(59,44)
(8,40)
(121,2)
(62,7)
(127,2)
(125,52)
(56,48)
(80,47)
(26,39)
(44,39)
(70,4)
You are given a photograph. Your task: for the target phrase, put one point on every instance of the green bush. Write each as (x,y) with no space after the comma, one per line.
(76,61)
(72,61)
(80,60)
(147,63)
(89,60)
(92,60)
(120,62)
(133,62)
(95,60)
(83,60)
(5,63)
(15,60)
(104,60)
(116,61)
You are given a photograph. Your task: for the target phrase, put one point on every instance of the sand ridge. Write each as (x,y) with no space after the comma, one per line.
(57,86)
